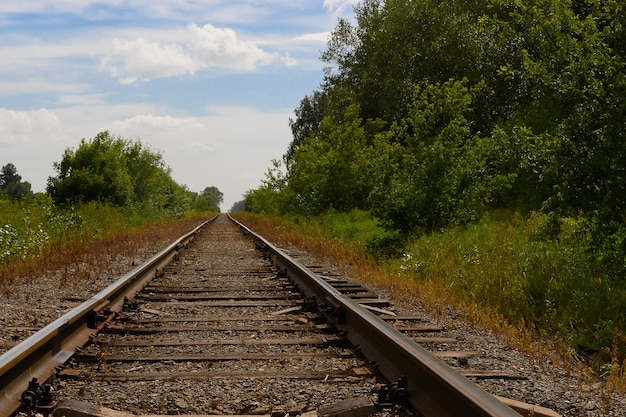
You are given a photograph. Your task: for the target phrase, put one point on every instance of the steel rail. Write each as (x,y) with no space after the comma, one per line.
(434,388)
(39,355)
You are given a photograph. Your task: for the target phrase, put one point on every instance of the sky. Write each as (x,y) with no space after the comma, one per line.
(209,84)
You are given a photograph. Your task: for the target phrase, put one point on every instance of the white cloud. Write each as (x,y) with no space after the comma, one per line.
(340,6)
(151,123)
(203,47)
(215,47)
(199,147)
(39,86)
(25,126)
(146,60)
(321,37)
(32,6)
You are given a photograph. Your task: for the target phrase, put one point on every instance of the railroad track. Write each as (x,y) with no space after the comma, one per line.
(223,322)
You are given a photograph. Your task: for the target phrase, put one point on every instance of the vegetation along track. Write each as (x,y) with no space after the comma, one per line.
(233,326)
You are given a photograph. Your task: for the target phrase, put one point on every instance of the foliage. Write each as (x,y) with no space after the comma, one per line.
(238,206)
(434,114)
(435,171)
(209,200)
(118,172)
(11,183)
(333,169)
(498,265)
(308,119)
(95,171)
(479,105)
(355,228)
(270,197)
(29,228)
(37,236)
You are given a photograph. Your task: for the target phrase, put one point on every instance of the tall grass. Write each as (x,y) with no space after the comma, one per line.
(501,266)
(36,236)
(545,295)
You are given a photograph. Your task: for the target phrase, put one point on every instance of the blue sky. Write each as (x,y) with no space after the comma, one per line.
(211,84)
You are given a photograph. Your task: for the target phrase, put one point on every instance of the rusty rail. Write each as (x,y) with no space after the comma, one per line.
(435,389)
(41,353)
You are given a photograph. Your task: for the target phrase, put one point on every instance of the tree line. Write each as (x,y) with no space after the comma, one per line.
(11,184)
(431,113)
(115,171)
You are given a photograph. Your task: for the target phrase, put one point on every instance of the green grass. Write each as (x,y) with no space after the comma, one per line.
(36,234)
(28,228)
(500,265)
(501,270)
(356,228)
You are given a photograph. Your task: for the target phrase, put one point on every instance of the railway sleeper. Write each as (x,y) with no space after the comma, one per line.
(130,330)
(211,357)
(354,375)
(325,340)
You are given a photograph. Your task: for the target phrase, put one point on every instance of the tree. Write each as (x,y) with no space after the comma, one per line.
(487,103)
(211,198)
(309,117)
(95,171)
(238,206)
(11,183)
(434,172)
(116,171)
(399,44)
(332,170)
(272,197)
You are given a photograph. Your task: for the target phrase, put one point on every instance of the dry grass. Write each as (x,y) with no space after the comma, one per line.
(79,254)
(435,296)
(357,264)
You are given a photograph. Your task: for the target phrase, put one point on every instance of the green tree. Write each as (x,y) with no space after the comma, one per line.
(146,168)
(332,170)
(95,171)
(210,199)
(238,206)
(117,171)
(272,197)
(543,131)
(435,171)
(11,183)
(399,44)
(308,119)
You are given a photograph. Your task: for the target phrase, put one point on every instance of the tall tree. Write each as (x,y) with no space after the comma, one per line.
(95,171)
(11,183)
(434,172)
(399,44)
(117,171)
(544,128)
(308,119)
(212,197)
(332,170)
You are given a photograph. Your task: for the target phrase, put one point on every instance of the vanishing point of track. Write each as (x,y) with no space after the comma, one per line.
(222,307)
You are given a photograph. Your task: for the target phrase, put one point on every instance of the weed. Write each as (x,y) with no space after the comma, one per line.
(544,294)
(36,236)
